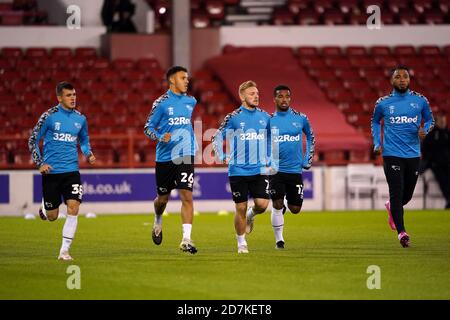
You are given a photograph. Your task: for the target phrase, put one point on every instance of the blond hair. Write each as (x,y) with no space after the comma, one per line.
(244,86)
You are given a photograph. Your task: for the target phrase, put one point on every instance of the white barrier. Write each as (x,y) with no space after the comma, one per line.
(132,191)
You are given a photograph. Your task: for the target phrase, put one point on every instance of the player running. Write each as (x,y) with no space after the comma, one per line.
(403,111)
(61,127)
(287,127)
(245,130)
(170,124)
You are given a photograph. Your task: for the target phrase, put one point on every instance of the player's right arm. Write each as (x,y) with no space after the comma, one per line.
(219,137)
(153,123)
(33,143)
(376,128)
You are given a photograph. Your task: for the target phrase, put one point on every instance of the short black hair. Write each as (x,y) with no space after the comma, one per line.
(63,85)
(174,70)
(401,67)
(280,87)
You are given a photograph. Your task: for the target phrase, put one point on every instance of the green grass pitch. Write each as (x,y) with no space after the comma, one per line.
(326,257)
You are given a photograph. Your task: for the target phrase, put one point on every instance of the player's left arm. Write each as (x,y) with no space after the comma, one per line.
(428,119)
(85,146)
(310,144)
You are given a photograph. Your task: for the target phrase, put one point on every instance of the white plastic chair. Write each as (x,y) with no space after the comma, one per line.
(360,183)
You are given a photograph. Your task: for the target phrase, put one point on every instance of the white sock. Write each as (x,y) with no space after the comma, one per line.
(158,219)
(277,220)
(70,227)
(187,228)
(250,213)
(43,208)
(241,240)
(286,204)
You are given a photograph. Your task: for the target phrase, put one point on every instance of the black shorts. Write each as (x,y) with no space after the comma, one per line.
(66,185)
(174,175)
(257,186)
(289,185)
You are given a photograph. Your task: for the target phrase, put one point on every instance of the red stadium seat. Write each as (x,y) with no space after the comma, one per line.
(9,77)
(386,62)
(348,74)
(76,64)
(434,18)
(24,64)
(308,17)
(356,51)
(10,52)
(61,53)
(101,64)
(296,6)
(358,19)
(388,18)
(333,17)
(87,76)
(307,51)
(5,64)
(123,64)
(322,6)
(36,53)
(362,62)
(133,98)
(380,51)
(283,17)
(340,95)
(47,64)
(331,51)
(347,6)
(421,5)
(398,5)
(121,87)
(409,17)
(315,63)
(430,50)
(438,61)
(86,52)
(12,18)
(133,75)
(147,63)
(325,73)
(338,62)
(405,50)
(410,61)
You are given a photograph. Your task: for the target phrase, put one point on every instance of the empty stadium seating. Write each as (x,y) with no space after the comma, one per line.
(117,95)
(21,12)
(208,13)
